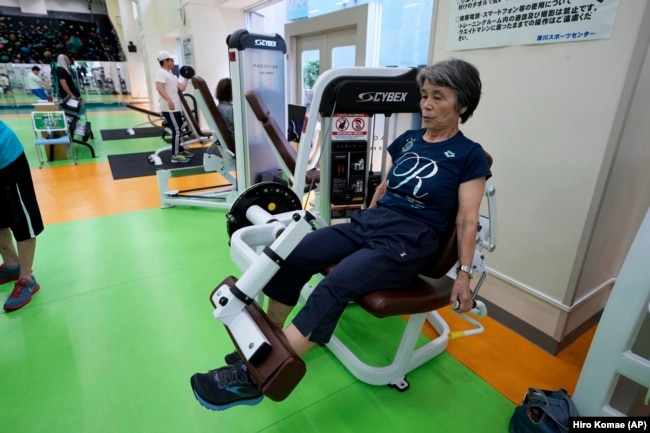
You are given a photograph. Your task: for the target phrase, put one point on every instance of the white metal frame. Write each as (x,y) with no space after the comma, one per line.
(320,127)
(218,158)
(247,242)
(610,355)
(282,234)
(409,357)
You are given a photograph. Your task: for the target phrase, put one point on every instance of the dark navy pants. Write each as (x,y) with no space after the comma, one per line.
(174,121)
(378,249)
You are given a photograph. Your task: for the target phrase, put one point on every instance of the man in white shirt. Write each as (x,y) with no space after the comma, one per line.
(37,84)
(167,85)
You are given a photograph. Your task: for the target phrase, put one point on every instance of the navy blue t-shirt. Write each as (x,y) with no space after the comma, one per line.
(424,179)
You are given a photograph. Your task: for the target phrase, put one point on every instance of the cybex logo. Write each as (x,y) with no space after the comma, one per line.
(383,97)
(265,43)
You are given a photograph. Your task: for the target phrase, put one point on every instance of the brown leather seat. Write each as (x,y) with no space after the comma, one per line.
(190,117)
(420,296)
(224,134)
(276,134)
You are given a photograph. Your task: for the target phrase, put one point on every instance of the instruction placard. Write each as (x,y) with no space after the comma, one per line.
(497,23)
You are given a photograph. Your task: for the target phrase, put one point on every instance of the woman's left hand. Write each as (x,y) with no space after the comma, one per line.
(461,294)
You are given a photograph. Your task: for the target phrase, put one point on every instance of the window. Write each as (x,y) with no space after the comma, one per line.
(405,25)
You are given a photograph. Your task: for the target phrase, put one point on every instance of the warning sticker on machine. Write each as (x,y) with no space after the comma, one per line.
(349,126)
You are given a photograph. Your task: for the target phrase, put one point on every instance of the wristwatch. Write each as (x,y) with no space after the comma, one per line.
(467,269)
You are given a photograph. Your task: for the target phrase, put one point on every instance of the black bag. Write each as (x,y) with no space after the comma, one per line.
(543,411)
(70,106)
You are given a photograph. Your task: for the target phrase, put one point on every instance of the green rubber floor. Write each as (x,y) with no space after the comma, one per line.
(123,320)
(99,119)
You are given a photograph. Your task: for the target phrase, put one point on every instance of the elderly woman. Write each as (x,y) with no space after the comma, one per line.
(434,171)
(224,96)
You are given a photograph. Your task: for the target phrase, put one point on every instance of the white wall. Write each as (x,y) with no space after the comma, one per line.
(546,116)
(208,26)
(121,14)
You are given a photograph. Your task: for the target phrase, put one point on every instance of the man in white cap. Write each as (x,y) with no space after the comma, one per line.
(167,85)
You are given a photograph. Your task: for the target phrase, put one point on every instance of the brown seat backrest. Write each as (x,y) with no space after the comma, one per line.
(445,257)
(286,151)
(261,111)
(189,115)
(224,135)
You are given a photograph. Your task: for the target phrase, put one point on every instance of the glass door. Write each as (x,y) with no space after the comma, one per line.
(320,52)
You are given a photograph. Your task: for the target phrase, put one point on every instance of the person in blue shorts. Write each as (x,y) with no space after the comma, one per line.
(20,219)
(434,170)
(36,83)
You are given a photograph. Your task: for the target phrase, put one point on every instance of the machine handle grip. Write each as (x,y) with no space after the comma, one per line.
(478,308)
(457,305)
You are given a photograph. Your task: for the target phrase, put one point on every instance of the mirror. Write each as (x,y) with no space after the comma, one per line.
(99,82)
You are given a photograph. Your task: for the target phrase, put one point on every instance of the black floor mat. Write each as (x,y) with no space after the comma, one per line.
(121,134)
(130,165)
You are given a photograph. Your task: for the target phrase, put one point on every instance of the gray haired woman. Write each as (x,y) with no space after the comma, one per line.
(436,177)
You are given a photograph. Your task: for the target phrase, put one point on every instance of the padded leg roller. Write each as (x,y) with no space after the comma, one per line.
(280,370)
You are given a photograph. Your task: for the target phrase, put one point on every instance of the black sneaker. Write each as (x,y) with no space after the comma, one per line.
(232,358)
(225,387)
